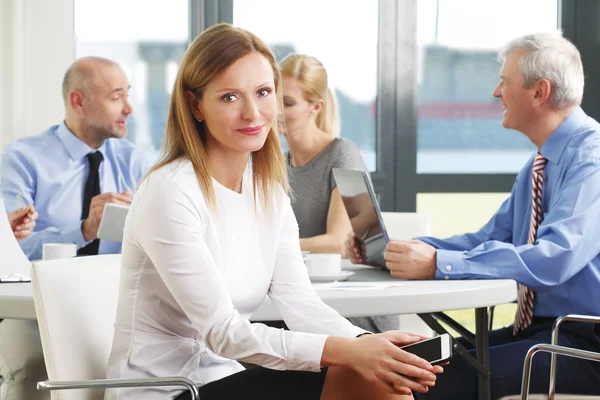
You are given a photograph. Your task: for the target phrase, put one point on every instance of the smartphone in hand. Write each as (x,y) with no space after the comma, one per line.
(436,350)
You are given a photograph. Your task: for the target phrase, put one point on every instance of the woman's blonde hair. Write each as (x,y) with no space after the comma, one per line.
(211,53)
(312,77)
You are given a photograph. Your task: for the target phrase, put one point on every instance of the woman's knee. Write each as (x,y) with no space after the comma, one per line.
(344,383)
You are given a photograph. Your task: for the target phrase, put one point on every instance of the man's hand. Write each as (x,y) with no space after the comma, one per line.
(22,221)
(411,259)
(90,226)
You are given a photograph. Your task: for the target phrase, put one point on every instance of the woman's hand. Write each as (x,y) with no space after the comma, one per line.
(355,249)
(22,221)
(379,360)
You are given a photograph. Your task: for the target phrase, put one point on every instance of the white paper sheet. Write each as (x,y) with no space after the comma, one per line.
(358,285)
(14,265)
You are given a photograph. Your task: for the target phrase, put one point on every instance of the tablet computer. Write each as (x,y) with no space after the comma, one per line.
(112,222)
(363,210)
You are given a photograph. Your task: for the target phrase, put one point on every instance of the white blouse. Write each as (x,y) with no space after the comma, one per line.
(191,277)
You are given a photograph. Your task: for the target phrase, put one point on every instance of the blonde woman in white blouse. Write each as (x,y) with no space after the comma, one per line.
(208,237)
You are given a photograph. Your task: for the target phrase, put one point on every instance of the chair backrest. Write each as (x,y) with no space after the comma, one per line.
(405,225)
(76,303)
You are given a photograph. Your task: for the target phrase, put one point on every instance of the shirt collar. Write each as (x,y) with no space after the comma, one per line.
(553,148)
(77,149)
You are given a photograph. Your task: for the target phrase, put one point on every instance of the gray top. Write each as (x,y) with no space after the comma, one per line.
(313,182)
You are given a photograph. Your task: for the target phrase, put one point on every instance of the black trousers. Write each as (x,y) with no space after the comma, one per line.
(264,384)
(507,354)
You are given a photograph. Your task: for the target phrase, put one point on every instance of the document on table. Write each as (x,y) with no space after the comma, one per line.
(359,285)
(14,265)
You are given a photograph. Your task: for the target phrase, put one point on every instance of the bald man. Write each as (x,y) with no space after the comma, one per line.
(70,171)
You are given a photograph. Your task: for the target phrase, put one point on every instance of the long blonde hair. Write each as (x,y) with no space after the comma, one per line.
(211,53)
(312,78)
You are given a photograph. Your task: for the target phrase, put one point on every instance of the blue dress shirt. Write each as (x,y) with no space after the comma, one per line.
(49,170)
(563,266)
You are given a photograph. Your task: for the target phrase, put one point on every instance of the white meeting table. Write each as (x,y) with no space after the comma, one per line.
(404,297)
(426,298)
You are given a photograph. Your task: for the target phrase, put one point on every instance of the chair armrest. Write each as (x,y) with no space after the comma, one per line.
(571,317)
(553,349)
(555,328)
(121,383)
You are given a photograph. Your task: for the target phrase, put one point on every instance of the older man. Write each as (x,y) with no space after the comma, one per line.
(545,235)
(70,171)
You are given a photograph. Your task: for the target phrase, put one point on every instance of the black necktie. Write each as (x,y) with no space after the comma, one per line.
(91,189)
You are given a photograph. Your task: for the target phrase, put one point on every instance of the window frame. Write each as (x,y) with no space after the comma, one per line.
(396,179)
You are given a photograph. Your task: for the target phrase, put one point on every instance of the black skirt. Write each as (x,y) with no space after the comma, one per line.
(264,384)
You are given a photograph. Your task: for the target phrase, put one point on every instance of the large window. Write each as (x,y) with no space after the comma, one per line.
(147,38)
(456,213)
(343,37)
(413,77)
(458,129)
(465,160)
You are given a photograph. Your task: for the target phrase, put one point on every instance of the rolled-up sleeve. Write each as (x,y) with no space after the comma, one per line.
(19,178)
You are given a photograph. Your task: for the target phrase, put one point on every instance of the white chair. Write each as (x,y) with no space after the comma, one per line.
(406,226)
(21,360)
(75,302)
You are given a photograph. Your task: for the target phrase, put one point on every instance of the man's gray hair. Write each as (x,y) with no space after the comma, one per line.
(550,56)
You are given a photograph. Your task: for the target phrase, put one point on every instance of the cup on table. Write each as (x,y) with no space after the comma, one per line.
(323,264)
(56,251)
(305,254)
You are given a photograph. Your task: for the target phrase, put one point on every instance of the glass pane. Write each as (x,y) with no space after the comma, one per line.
(319,28)
(455,213)
(459,129)
(149,49)
(504,315)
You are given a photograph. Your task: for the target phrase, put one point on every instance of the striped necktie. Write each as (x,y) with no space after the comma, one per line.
(526,295)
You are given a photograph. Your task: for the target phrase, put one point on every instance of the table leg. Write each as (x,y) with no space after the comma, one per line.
(481,343)
(432,321)
(483,352)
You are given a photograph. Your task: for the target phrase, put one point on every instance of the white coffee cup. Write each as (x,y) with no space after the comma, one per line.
(55,251)
(323,264)
(305,254)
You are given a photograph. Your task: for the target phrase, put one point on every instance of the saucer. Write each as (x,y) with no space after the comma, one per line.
(339,276)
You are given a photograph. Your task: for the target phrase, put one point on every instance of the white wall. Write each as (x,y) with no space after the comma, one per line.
(36,47)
